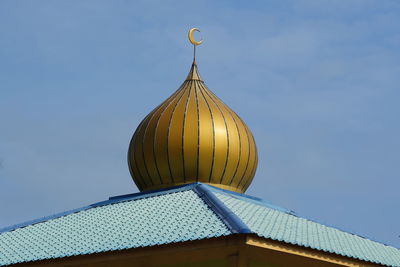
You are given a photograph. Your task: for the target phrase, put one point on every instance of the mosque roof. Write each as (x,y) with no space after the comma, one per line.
(183,213)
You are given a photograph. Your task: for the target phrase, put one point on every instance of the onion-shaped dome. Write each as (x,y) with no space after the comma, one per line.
(192,137)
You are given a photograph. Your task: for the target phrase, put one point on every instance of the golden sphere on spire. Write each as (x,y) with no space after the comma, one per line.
(192,137)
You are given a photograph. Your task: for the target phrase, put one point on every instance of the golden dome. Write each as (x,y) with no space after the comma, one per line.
(192,137)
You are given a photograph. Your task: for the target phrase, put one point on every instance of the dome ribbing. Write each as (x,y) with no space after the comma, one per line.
(192,137)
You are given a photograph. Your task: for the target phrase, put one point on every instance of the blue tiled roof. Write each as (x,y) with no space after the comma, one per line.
(273,224)
(189,212)
(119,224)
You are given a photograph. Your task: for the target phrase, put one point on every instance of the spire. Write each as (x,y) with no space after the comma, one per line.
(193,73)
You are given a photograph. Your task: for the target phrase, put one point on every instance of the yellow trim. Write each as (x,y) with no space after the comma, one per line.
(304,252)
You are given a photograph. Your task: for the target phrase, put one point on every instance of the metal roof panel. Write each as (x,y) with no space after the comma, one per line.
(283,226)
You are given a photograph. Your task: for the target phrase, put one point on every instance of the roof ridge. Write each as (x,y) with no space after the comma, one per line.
(232,221)
(255,200)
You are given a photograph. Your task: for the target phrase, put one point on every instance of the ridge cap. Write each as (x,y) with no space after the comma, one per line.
(231,220)
(251,199)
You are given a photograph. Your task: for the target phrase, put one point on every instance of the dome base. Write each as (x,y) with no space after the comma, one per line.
(225,187)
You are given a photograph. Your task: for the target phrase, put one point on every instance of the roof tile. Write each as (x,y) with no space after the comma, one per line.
(168,218)
(284,226)
(189,212)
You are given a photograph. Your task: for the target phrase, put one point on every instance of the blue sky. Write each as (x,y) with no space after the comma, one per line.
(316,81)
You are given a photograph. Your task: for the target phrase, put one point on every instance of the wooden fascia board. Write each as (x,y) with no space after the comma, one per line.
(256,241)
(239,246)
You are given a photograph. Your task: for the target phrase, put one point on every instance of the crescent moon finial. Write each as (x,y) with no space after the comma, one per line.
(191,37)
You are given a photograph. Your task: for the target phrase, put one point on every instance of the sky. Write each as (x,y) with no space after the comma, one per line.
(317,82)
